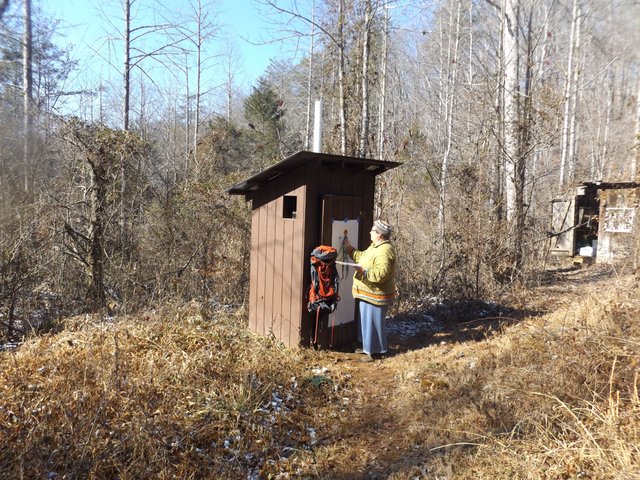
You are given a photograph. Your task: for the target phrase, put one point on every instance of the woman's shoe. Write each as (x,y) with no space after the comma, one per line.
(359,350)
(367,358)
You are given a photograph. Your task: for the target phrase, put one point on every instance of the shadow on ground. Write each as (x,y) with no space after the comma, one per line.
(578,274)
(451,322)
(474,320)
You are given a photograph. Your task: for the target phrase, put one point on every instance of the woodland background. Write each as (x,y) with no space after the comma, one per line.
(113,195)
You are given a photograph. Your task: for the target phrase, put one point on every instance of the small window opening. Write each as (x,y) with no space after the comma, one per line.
(290,205)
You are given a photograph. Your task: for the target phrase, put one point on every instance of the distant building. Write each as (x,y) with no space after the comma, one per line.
(597,220)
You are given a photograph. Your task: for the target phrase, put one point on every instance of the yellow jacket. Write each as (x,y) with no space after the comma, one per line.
(377,285)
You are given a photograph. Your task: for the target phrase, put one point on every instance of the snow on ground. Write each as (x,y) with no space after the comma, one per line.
(407,327)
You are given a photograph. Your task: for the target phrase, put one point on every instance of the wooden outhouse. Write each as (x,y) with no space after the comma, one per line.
(597,220)
(306,200)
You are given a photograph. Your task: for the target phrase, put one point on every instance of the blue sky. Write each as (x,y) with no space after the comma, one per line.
(243,21)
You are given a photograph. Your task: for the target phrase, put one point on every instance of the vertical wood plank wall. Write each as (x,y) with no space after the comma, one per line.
(280,247)
(276,260)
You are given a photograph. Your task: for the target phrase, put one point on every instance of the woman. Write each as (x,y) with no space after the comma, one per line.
(374,288)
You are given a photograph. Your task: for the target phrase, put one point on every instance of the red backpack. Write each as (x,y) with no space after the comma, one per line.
(323,291)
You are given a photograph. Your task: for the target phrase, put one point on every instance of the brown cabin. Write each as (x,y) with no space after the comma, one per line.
(596,220)
(306,200)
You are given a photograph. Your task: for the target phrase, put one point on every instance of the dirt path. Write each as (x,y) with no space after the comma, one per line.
(378,428)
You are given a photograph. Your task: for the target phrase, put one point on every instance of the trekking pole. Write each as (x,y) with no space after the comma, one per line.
(333,326)
(315,340)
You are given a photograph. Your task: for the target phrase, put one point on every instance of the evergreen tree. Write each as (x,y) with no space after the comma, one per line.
(264,114)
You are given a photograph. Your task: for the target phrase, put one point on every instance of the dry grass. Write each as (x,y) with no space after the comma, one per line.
(167,395)
(173,395)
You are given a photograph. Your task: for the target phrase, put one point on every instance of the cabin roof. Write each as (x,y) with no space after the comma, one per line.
(611,185)
(292,162)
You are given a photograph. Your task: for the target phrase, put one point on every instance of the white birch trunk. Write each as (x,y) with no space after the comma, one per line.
(568,99)
(497,177)
(343,106)
(27,86)
(573,120)
(451,80)
(511,100)
(364,122)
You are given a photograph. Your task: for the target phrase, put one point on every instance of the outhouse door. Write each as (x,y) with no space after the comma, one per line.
(563,221)
(341,216)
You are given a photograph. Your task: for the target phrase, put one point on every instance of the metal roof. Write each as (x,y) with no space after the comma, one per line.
(292,162)
(610,185)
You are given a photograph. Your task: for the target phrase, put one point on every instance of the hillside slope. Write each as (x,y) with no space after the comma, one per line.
(550,392)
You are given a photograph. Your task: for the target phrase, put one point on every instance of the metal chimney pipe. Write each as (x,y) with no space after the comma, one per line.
(317,127)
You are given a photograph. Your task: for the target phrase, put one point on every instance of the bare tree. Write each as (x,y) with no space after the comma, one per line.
(104,152)
(383,87)
(337,38)
(205,28)
(510,53)
(136,51)
(340,44)
(572,141)
(569,97)
(310,100)
(364,113)
(230,66)
(27,86)
(514,150)
(449,93)
(126,97)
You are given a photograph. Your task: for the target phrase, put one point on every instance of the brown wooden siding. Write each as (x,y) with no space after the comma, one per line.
(262,253)
(298,268)
(276,255)
(253,270)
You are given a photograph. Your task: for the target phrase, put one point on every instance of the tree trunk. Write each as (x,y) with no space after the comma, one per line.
(383,86)
(307,133)
(27,86)
(127,64)
(636,141)
(450,104)
(98,222)
(187,122)
(364,123)
(343,106)
(568,98)
(497,176)
(229,92)
(199,45)
(572,153)
(524,145)
(511,108)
